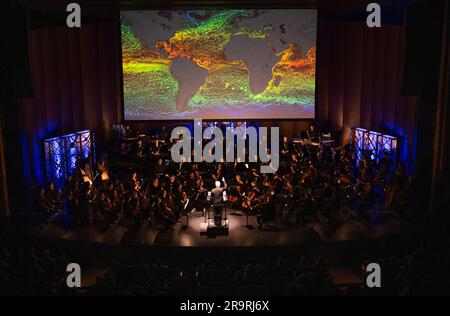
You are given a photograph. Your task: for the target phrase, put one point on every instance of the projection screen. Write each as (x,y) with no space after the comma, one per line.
(219,64)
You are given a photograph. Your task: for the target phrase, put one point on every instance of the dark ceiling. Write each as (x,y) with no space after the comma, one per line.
(161,4)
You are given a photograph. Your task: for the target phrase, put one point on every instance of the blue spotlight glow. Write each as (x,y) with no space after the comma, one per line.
(376,144)
(62,154)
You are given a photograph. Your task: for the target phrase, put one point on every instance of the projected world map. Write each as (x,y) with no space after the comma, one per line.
(218,64)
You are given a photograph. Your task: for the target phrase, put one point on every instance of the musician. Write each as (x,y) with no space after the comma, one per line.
(309,174)
(134,182)
(165,210)
(130,132)
(183,167)
(385,163)
(160,168)
(191,183)
(295,161)
(240,167)
(171,186)
(329,198)
(327,156)
(177,196)
(365,167)
(155,188)
(42,204)
(183,205)
(222,126)
(337,156)
(156,151)
(396,187)
(306,203)
(312,134)
(85,202)
(117,202)
(287,147)
(219,173)
(267,182)
(89,172)
(163,133)
(199,180)
(140,149)
(72,204)
(54,197)
(103,169)
(217,200)
(255,175)
(277,182)
(266,209)
(201,197)
(240,183)
(134,207)
(102,207)
(120,188)
(251,196)
(255,189)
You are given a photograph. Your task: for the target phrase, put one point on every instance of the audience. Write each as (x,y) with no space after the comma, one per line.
(31,271)
(36,270)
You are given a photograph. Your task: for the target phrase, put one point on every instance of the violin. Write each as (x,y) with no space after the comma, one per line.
(246,204)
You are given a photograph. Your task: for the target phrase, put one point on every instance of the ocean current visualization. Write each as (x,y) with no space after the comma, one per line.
(219,64)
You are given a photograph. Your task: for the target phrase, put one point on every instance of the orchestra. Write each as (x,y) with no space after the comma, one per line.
(315,183)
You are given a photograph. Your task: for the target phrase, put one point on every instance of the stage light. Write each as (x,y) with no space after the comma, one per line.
(388,143)
(376,144)
(57,166)
(357,142)
(62,154)
(371,143)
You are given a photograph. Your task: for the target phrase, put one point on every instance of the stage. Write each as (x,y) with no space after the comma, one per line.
(278,234)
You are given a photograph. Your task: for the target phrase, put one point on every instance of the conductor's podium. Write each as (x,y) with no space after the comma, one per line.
(212,226)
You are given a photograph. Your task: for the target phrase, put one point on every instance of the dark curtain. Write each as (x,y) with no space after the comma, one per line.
(360,74)
(76,81)
(4,201)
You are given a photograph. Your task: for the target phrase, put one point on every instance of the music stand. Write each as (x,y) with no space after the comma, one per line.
(249,208)
(185,227)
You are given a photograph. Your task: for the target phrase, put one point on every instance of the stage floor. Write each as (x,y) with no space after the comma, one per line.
(280,234)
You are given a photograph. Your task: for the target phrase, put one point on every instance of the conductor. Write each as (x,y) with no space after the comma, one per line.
(217,201)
